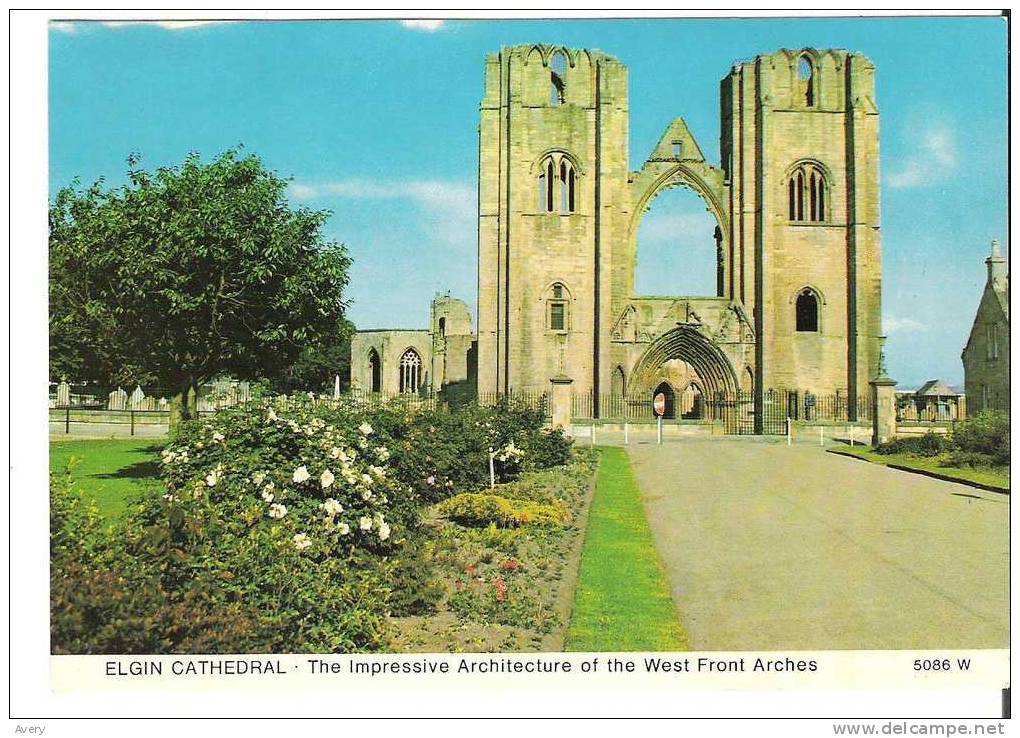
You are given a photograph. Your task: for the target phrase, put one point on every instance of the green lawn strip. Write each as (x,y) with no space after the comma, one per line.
(983,478)
(112,472)
(622,600)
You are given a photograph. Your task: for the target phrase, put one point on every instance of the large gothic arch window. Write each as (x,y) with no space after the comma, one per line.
(410,371)
(679,248)
(807,194)
(557,184)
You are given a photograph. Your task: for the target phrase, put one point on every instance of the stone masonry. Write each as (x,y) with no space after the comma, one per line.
(795,195)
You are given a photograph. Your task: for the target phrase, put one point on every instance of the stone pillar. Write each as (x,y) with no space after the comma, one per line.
(883,403)
(562,401)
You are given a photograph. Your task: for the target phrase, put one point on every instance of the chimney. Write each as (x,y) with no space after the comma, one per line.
(996,267)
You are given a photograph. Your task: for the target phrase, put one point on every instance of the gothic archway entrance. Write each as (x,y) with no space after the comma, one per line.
(709,369)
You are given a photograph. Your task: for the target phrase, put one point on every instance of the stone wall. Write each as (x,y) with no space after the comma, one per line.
(779,112)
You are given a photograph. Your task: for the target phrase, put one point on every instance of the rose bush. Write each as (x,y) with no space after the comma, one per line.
(287,526)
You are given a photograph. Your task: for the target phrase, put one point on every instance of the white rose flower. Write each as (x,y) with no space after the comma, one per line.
(271,417)
(217,436)
(430,480)
(382,453)
(301,474)
(327,479)
(211,478)
(377,471)
(301,541)
(276,510)
(365,523)
(267,495)
(384,531)
(332,507)
(366,480)
(343,528)
(258,477)
(365,429)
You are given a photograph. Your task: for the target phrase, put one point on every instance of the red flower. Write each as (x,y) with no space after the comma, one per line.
(501,588)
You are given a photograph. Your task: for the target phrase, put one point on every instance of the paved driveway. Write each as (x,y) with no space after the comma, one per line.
(773,547)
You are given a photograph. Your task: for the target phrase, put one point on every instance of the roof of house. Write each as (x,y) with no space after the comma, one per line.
(935,388)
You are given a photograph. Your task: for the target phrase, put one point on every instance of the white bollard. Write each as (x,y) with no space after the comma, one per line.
(821,435)
(788,439)
(660,430)
(626,434)
(492,470)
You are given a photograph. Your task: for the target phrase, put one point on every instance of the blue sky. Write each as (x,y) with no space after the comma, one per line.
(377,122)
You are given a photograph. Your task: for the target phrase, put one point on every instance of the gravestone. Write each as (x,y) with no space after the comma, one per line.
(118,399)
(137,398)
(63,394)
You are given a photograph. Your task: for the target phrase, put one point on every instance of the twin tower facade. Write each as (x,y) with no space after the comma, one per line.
(795,194)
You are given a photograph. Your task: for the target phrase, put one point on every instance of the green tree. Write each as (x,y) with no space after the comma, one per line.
(318,365)
(189,273)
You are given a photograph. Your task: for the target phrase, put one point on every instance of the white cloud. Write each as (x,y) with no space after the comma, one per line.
(64,26)
(447,209)
(434,193)
(902,325)
(429,25)
(72,27)
(673,227)
(934,158)
(170,25)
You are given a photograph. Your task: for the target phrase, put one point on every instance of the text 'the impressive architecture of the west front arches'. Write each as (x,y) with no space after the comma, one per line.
(795,195)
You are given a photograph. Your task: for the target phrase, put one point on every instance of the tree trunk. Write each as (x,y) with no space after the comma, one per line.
(184,405)
(193,400)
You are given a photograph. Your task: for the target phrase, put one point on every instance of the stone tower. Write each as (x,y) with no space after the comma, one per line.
(795,197)
(552,166)
(800,152)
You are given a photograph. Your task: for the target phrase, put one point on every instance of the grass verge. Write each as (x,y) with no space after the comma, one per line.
(111,472)
(622,600)
(984,478)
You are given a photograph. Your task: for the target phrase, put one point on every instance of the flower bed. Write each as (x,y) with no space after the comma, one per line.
(293,527)
(506,584)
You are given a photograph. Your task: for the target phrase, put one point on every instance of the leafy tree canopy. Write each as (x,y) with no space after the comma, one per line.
(188,273)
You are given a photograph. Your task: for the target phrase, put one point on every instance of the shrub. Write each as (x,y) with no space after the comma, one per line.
(489,509)
(986,433)
(442,452)
(969,458)
(546,449)
(285,527)
(930,444)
